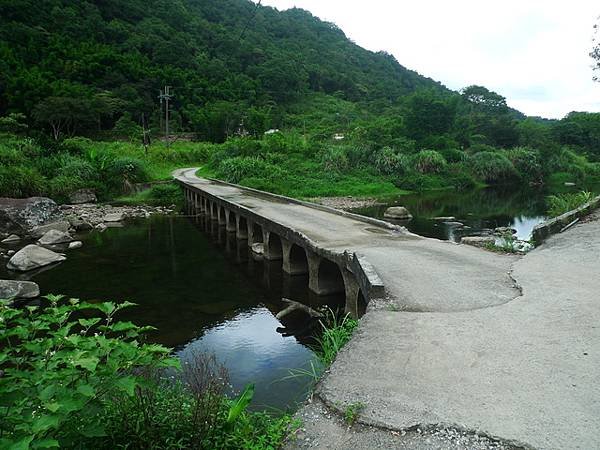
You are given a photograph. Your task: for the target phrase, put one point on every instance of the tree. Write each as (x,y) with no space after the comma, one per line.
(63,114)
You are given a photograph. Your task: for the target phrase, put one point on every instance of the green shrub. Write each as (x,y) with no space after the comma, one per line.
(492,167)
(76,167)
(166,194)
(335,159)
(562,203)
(336,333)
(527,162)
(429,161)
(77,145)
(236,169)
(388,162)
(126,169)
(21,181)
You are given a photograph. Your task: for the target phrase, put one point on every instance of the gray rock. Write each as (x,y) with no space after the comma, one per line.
(258,248)
(113,217)
(32,257)
(83,196)
(10,252)
(75,244)
(397,212)
(18,289)
(101,227)
(570,184)
(478,241)
(11,239)
(18,215)
(39,231)
(444,218)
(53,237)
(505,230)
(454,224)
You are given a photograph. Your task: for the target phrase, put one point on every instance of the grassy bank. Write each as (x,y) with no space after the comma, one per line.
(286,163)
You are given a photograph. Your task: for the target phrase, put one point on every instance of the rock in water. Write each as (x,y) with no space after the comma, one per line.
(17,215)
(11,239)
(83,196)
(31,257)
(18,289)
(75,244)
(113,217)
(397,212)
(53,237)
(258,248)
(39,231)
(478,241)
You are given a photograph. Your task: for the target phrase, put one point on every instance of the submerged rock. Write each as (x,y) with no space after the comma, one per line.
(32,257)
(18,289)
(397,212)
(53,237)
(454,224)
(505,230)
(444,218)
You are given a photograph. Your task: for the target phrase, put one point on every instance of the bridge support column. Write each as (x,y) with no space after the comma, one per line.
(221,216)
(230,224)
(273,246)
(241,231)
(325,276)
(352,294)
(213,211)
(255,233)
(295,261)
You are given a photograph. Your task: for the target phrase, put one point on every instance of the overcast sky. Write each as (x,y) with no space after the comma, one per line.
(533,52)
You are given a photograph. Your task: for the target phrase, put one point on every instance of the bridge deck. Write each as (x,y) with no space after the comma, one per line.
(419,274)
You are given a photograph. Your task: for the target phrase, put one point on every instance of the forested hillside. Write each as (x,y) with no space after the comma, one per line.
(352,121)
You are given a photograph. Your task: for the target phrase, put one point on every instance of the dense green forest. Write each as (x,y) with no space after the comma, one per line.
(352,121)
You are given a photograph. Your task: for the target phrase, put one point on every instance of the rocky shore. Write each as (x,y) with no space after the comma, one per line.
(36,233)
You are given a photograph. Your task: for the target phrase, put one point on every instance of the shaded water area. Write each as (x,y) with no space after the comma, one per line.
(204,292)
(479,210)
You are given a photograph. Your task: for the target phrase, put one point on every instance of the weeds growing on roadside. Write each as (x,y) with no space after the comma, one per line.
(336,333)
(560,204)
(352,412)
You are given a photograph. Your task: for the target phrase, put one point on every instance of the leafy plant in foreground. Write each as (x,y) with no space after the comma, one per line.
(336,333)
(59,364)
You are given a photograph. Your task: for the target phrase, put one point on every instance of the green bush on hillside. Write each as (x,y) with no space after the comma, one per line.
(429,161)
(492,167)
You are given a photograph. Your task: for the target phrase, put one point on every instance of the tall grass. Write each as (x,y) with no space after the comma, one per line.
(336,333)
(560,204)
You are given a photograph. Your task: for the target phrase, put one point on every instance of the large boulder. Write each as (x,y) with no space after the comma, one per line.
(82,196)
(18,215)
(18,289)
(54,237)
(62,226)
(397,213)
(32,257)
(113,217)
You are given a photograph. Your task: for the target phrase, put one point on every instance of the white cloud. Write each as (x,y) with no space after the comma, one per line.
(533,52)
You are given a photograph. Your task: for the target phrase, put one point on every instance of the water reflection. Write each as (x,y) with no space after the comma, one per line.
(479,210)
(200,287)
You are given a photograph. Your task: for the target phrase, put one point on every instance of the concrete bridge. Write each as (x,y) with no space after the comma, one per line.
(459,348)
(346,253)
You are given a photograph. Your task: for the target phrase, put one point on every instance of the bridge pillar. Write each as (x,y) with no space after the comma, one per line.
(352,290)
(295,261)
(325,276)
(213,211)
(221,216)
(255,233)
(273,246)
(241,231)
(230,222)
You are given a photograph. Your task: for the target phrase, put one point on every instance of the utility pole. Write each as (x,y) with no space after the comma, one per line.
(166,96)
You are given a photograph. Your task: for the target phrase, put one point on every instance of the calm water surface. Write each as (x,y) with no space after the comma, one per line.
(203,292)
(479,210)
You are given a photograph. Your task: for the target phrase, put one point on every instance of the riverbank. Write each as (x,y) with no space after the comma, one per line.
(522,373)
